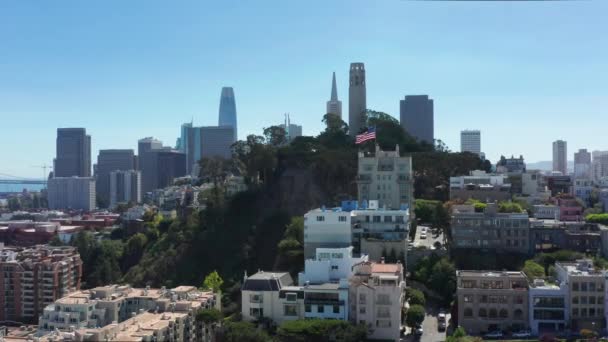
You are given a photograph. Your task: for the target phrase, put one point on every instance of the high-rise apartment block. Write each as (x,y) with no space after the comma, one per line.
(123,313)
(582,164)
(599,166)
(108,161)
(560,157)
(386,176)
(470,141)
(76,193)
(334,106)
(357,99)
(227,112)
(125,187)
(32,278)
(416,114)
(73,150)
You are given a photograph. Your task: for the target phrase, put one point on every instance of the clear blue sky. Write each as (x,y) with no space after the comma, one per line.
(525,73)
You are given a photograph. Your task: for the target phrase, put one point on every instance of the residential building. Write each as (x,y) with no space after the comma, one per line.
(326,229)
(71,193)
(492,300)
(334,106)
(235,184)
(558,184)
(560,157)
(125,187)
(532,183)
(470,141)
(73,153)
(108,161)
(481,186)
(491,230)
(34,277)
(599,166)
(603,197)
(569,208)
(586,293)
(377,298)
(582,189)
(549,307)
(329,266)
(123,313)
(387,177)
(379,232)
(582,164)
(545,211)
(511,165)
(273,295)
(227,112)
(292,131)
(416,115)
(357,98)
(547,235)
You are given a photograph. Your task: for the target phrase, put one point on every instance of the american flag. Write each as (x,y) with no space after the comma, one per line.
(369,135)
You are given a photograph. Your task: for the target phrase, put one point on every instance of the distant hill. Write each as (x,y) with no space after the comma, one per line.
(547,165)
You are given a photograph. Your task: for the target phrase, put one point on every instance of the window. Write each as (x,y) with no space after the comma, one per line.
(256,298)
(493,313)
(362,298)
(575,312)
(334,267)
(383,312)
(383,324)
(307,308)
(469,284)
(583,300)
(518,314)
(256,312)
(383,299)
(591,312)
(503,313)
(290,310)
(592,300)
(362,310)
(377,219)
(468,298)
(388,218)
(320,218)
(518,299)
(591,286)
(291,297)
(468,312)
(482,313)
(342,218)
(584,312)
(574,300)
(575,286)
(336,309)
(320,308)
(584,287)
(337,255)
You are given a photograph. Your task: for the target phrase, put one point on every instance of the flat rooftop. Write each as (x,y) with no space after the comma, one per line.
(491,274)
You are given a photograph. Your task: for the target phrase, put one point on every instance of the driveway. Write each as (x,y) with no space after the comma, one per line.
(429,327)
(430,238)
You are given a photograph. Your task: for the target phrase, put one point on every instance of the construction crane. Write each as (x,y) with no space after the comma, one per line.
(45,175)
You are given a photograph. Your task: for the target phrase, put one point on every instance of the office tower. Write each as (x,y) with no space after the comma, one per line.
(470,141)
(227,115)
(108,161)
(560,153)
(148,144)
(73,153)
(334,105)
(125,187)
(190,144)
(386,177)
(416,116)
(35,277)
(159,165)
(216,141)
(292,131)
(357,99)
(76,193)
(582,164)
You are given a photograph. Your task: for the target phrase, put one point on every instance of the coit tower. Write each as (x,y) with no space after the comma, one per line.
(356,98)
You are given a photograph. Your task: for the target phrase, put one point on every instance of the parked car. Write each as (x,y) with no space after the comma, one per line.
(441,321)
(493,334)
(522,334)
(418,330)
(423,235)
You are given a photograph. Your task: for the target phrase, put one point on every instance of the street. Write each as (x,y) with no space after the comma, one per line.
(429,327)
(430,238)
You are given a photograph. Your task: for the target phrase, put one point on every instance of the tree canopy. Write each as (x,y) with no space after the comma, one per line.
(415,316)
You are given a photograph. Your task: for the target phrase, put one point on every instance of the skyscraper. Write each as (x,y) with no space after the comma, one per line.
(73,153)
(72,193)
(560,154)
(357,98)
(125,187)
(215,141)
(159,165)
(334,105)
(292,131)
(417,117)
(582,164)
(108,161)
(470,141)
(227,115)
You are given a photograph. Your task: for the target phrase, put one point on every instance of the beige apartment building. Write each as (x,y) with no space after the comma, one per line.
(586,289)
(492,300)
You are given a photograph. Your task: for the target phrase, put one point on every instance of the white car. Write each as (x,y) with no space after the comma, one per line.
(423,230)
(423,235)
(522,334)
(493,334)
(418,331)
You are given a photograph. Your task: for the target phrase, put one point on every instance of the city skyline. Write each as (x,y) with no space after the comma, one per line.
(518,73)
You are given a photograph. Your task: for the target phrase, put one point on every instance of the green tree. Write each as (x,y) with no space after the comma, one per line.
(313,330)
(533,269)
(597,218)
(509,207)
(213,282)
(215,170)
(56,241)
(244,332)
(208,315)
(415,316)
(275,136)
(334,123)
(443,279)
(415,297)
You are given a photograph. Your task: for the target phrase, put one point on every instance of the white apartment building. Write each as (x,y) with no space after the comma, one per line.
(582,164)
(377,298)
(549,307)
(329,265)
(470,141)
(71,193)
(549,212)
(599,165)
(478,177)
(582,188)
(326,228)
(272,295)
